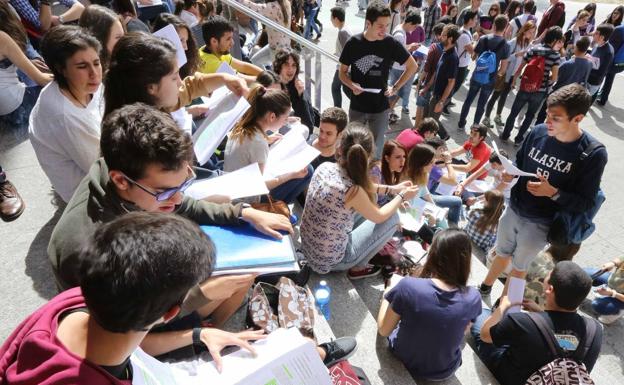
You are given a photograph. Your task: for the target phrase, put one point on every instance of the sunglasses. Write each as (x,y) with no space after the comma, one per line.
(168,193)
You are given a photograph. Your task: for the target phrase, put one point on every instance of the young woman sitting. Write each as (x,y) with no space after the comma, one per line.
(425,318)
(248,142)
(333,237)
(483,223)
(390,169)
(106,26)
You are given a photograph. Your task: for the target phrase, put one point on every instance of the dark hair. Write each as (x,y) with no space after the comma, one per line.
(449,9)
(618,21)
(137,135)
(419,157)
(500,23)
(605,30)
(262,101)
(181,5)
(521,39)
(428,125)
(214,28)
(12,26)
(338,13)
(449,258)
(494,156)
(282,56)
(574,99)
(267,78)
(452,32)
(62,42)
(138,60)
(481,129)
(491,211)
(336,116)
(205,8)
(438,28)
(529,6)
(582,44)
(124,7)
(512,9)
(191,53)
(570,283)
(375,10)
(389,176)
(553,35)
(435,142)
(591,8)
(354,153)
(563,252)
(469,15)
(412,17)
(98,21)
(139,266)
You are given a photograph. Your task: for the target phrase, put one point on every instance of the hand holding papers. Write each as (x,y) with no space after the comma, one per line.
(244,182)
(515,293)
(509,167)
(169,33)
(290,154)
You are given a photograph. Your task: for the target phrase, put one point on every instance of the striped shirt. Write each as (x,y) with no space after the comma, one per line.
(552,58)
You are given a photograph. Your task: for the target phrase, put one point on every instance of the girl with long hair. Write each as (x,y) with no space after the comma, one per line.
(433,310)
(333,237)
(390,169)
(186,39)
(513,9)
(106,26)
(615,17)
(483,223)
(486,23)
(518,47)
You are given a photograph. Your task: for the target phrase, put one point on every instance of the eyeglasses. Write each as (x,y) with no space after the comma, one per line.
(168,193)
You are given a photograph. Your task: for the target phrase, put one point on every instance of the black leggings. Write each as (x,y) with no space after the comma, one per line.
(502,98)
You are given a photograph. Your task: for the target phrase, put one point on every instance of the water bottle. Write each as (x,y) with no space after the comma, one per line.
(322,295)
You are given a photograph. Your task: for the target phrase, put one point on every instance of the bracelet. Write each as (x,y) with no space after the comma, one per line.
(402,196)
(197,342)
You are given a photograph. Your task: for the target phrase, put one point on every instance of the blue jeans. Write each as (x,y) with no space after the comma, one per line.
(604,305)
(289,191)
(19,118)
(490,354)
(365,240)
(534,101)
(484,91)
(310,23)
(403,92)
(453,203)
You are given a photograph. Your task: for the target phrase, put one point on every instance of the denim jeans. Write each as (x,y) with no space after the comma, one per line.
(462,74)
(484,91)
(310,23)
(606,87)
(604,305)
(488,353)
(18,119)
(376,122)
(289,191)
(534,100)
(365,240)
(403,92)
(453,203)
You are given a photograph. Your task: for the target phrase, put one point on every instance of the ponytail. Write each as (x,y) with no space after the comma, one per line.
(262,101)
(356,146)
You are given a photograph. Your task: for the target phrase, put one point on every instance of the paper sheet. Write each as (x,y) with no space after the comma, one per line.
(153,3)
(372,90)
(244,182)
(446,189)
(290,154)
(216,97)
(225,68)
(218,122)
(479,186)
(515,293)
(423,50)
(183,119)
(169,32)
(509,167)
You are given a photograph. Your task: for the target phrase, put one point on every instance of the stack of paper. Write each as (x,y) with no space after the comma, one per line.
(289,154)
(169,32)
(242,183)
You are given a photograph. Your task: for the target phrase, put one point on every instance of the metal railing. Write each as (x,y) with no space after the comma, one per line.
(310,49)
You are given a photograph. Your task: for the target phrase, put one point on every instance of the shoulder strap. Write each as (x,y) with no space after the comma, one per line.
(590,334)
(518,22)
(585,153)
(546,333)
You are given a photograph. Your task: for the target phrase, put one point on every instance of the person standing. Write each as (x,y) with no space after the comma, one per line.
(431,15)
(617,41)
(465,49)
(601,57)
(338,21)
(553,17)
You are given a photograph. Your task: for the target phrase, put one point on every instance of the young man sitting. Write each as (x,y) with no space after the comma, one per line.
(511,345)
(146,166)
(476,150)
(333,122)
(218,35)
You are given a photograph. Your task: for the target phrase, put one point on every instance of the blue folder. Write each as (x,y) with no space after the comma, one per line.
(243,247)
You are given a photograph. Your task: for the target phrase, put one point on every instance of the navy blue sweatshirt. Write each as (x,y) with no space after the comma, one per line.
(605,54)
(555,160)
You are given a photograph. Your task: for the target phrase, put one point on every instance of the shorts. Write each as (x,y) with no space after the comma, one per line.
(423,101)
(520,238)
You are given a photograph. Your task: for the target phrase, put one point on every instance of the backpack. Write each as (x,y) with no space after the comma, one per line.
(343,373)
(575,227)
(486,64)
(563,370)
(533,75)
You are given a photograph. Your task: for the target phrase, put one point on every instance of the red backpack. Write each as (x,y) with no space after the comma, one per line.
(533,74)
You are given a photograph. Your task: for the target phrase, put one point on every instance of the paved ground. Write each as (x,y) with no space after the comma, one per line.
(26,280)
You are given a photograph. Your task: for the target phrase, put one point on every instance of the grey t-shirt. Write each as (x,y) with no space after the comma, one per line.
(239,154)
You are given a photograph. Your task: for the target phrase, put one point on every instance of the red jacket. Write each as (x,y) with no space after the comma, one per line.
(551,17)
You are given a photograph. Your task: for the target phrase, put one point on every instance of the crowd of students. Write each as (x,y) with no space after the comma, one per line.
(110,115)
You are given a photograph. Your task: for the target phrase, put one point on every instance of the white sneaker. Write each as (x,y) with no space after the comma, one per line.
(609,319)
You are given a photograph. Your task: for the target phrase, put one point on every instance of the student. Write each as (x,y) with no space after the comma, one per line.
(333,122)
(573,70)
(186,39)
(549,50)
(146,167)
(475,7)
(127,10)
(400,34)
(476,150)
(106,26)
(511,345)
(486,23)
(310,10)
(576,30)
(496,44)
(452,12)
(554,16)
(427,77)
(431,15)
(365,62)
(482,223)
(519,21)
(610,304)
(433,310)
(218,34)
(269,79)
(248,142)
(338,21)
(188,12)
(534,203)
(287,66)
(65,122)
(588,28)
(11,203)
(418,34)
(514,9)
(517,48)
(615,17)
(410,137)
(37,14)
(493,168)
(442,170)
(445,77)
(617,42)
(16,99)
(465,49)
(601,57)
(390,170)
(331,238)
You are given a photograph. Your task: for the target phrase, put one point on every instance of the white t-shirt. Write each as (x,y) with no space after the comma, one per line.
(241,154)
(11,89)
(523,19)
(66,138)
(399,35)
(465,38)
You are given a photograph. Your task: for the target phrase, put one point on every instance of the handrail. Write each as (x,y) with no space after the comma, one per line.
(271,24)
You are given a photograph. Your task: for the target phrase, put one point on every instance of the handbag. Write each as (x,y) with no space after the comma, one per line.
(273,206)
(499,83)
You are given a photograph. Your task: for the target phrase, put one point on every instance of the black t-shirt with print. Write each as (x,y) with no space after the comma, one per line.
(528,351)
(370,63)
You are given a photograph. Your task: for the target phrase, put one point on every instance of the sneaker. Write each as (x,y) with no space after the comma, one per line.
(338,350)
(611,318)
(368,271)
(484,290)
(498,120)
(461,126)
(445,110)
(486,122)
(451,104)
(405,111)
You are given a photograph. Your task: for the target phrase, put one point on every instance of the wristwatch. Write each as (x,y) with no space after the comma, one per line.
(60,18)
(556,196)
(243,206)
(198,344)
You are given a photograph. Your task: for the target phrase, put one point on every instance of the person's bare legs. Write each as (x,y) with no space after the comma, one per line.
(499,264)
(221,310)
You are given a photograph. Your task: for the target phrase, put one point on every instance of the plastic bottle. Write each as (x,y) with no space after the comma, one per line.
(322,295)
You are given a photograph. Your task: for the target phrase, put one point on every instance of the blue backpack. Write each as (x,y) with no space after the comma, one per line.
(575,227)
(486,64)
